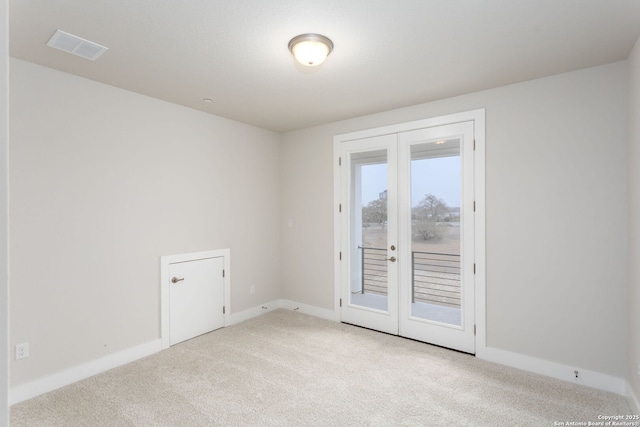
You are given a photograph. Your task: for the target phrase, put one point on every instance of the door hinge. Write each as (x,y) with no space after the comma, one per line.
(340,207)
(340,302)
(474,268)
(474,205)
(339,161)
(340,255)
(474,145)
(222,273)
(224,310)
(474,329)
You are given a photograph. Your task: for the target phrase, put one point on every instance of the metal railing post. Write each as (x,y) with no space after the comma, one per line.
(362,272)
(413,277)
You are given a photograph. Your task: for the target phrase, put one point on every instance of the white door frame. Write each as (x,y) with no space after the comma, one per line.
(478,117)
(165,282)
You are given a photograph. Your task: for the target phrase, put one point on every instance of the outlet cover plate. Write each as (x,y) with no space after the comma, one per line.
(22,351)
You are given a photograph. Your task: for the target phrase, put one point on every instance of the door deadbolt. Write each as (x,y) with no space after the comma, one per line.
(176,280)
(393,247)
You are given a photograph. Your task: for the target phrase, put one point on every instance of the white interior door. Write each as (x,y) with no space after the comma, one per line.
(408,234)
(196,298)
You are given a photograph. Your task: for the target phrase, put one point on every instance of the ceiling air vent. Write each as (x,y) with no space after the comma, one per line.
(76,45)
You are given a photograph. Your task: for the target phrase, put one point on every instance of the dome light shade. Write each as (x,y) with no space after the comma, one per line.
(310,49)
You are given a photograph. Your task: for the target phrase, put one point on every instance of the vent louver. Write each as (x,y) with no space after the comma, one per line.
(76,45)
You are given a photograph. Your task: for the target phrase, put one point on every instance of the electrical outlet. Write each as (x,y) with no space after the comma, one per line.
(253,289)
(22,351)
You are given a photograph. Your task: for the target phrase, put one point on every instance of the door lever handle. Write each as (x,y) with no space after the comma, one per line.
(176,280)
(392,259)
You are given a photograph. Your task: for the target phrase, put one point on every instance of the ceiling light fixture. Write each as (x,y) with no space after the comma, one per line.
(310,49)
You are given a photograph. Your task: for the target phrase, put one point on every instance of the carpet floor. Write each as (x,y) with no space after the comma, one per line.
(289,369)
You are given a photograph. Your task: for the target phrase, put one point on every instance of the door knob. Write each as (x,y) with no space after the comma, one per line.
(392,259)
(176,280)
(393,247)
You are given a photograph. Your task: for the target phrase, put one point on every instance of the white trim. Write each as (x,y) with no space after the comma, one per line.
(86,370)
(555,370)
(465,116)
(633,400)
(55,381)
(311,310)
(526,363)
(479,249)
(337,229)
(256,311)
(165,261)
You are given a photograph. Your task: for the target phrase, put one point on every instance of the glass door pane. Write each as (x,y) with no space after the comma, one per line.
(369,205)
(435,231)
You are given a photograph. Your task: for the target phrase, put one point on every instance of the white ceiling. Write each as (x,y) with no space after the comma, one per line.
(388,53)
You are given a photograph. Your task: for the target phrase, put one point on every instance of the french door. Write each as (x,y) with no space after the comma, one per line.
(407,234)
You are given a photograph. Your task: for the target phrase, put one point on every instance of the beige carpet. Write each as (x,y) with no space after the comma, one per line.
(289,369)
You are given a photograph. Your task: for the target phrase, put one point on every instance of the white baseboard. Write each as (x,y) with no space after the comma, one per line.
(527,363)
(253,312)
(633,400)
(532,364)
(55,381)
(555,370)
(311,310)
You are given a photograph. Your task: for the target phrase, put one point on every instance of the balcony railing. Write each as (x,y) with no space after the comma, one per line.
(435,277)
(374,270)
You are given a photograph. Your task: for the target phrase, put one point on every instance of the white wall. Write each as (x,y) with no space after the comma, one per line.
(103,183)
(634,223)
(4,254)
(556,208)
